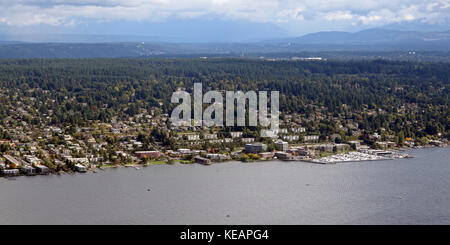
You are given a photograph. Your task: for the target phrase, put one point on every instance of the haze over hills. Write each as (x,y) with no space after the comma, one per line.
(85,46)
(370,36)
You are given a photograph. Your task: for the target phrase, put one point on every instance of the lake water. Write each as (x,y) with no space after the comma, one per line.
(403,191)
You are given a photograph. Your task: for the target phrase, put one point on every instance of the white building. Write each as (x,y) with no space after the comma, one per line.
(210,136)
(283,131)
(298,130)
(192,137)
(236,134)
(311,137)
(281,145)
(291,137)
(248,140)
(32,159)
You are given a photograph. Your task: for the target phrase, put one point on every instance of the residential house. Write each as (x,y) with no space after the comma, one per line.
(291,137)
(236,134)
(298,130)
(210,136)
(311,137)
(193,137)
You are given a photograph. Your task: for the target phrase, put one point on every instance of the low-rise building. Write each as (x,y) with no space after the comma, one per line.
(184,151)
(32,159)
(283,155)
(248,140)
(193,137)
(281,145)
(298,130)
(283,130)
(255,148)
(311,137)
(10,172)
(147,154)
(355,144)
(342,147)
(300,152)
(210,136)
(385,144)
(79,160)
(12,161)
(80,168)
(291,137)
(217,157)
(42,169)
(236,134)
(324,147)
(202,160)
(266,155)
(28,170)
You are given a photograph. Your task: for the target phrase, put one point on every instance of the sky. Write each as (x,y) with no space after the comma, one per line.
(214,20)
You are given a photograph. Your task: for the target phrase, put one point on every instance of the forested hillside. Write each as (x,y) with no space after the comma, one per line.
(78,90)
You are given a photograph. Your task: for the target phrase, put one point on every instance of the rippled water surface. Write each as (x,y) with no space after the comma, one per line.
(404,191)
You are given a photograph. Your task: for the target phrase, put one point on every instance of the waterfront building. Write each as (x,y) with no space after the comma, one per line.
(255,148)
(10,172)
(28,170)
(281,145)
(355,143)
(283,155)
(217,157)
(202,160)
(42,169)
(80,168)
(11,160)
(266,155)
(184,151)
(147,154)
(342,147)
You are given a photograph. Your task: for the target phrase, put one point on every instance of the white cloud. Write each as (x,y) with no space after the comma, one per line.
(368,12)
(338,15)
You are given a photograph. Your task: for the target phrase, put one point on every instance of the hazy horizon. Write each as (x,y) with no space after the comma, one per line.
(211,21)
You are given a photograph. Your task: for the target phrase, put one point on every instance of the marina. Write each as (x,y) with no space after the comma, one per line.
(350,157)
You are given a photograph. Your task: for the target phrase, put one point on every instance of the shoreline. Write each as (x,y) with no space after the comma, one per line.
(138,166)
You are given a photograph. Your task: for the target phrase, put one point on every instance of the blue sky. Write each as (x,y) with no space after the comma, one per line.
(216,20)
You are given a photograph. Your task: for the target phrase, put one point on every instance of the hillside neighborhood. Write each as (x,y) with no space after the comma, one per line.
(149,138)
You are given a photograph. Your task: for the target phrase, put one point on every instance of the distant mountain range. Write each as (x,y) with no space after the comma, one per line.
(370,36)
(366,40)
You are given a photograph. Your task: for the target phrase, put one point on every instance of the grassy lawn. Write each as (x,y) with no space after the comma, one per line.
(184,161)
(157,162)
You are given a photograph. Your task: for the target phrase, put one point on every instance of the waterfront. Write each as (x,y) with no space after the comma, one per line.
(400,191)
